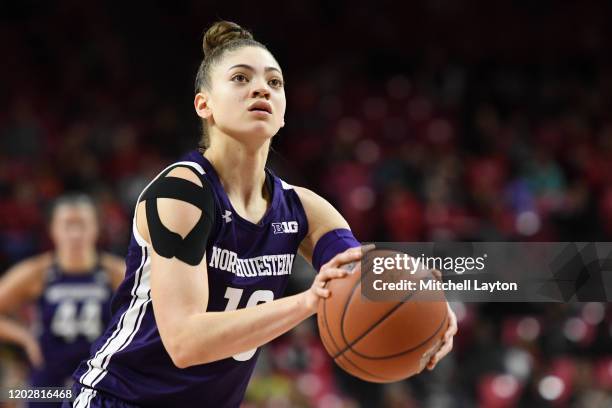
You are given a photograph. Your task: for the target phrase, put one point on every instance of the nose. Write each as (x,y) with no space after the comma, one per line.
(259,91)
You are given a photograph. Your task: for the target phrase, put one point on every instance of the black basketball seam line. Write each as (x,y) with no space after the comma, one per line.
(349,346)
(331,337)
(387,314)
(363,370)
(405,351)
(372,327)
(327,345)
(353,364)
(326,328)
(348,301)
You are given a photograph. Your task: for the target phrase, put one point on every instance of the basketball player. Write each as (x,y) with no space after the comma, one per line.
(214,240)
(71,287)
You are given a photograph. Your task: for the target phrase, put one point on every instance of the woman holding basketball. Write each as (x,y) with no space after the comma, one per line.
(214,238)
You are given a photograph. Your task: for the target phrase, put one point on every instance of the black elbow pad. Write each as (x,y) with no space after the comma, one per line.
(167,243)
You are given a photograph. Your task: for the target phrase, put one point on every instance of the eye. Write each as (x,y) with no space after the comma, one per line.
(240,78)
(276,83)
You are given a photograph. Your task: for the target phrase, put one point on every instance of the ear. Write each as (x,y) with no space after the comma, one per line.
(282,123)
(202,106)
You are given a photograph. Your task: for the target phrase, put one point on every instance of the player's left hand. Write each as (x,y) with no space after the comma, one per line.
(447,344)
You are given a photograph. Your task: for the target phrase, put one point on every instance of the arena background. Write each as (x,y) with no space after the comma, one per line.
(420,120)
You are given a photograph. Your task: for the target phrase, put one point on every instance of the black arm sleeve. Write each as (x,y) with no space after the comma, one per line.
(170,244)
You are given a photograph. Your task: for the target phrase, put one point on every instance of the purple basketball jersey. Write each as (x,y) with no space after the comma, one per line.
(247,264)
(73,312)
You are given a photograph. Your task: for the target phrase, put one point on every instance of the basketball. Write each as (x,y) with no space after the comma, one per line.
(383,341)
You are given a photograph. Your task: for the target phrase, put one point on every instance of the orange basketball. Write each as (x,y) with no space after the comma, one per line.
(381,341)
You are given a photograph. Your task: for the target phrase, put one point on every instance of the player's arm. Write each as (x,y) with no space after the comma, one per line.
(21,284)
(329,234)
(323,219)
(179,289)
(114,267)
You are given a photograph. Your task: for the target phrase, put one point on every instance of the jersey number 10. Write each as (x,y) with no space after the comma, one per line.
(233,296)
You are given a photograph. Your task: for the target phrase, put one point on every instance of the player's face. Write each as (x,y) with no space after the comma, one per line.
(247,99)
(74,227)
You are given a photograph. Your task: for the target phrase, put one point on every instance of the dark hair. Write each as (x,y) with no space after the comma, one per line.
(71,199)
(221,37)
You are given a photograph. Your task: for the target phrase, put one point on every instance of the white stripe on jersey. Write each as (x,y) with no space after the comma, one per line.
(286,186)
(83,400)
(126,328)
(121,320)
(130,320)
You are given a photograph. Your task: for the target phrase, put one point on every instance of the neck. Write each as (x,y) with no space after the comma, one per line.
(70,261)
(240,168)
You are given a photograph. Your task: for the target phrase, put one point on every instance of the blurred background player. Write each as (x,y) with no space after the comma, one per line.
(71,287)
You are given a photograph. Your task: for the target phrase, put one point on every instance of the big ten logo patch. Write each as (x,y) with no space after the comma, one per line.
(285,227)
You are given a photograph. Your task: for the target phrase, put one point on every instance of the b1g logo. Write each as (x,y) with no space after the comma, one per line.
(285,227)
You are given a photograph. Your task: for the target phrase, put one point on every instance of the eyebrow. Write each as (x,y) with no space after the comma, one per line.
(266,69)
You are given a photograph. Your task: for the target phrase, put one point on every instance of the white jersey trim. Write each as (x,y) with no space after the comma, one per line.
(127,327)
(286,186)
(83,400)
(131,319)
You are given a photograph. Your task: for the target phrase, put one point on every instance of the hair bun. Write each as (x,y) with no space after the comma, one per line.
(222,32)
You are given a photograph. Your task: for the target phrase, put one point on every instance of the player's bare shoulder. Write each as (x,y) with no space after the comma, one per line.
(34,268)
(26,279)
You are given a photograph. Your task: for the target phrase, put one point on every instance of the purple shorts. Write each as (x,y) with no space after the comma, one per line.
(89,398)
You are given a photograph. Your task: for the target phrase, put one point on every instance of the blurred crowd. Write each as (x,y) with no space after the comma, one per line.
(421,123)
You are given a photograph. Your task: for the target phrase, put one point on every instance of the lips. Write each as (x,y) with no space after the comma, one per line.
(260,106)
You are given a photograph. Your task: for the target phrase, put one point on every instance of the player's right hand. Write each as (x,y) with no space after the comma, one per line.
(338,267)
(33,351)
